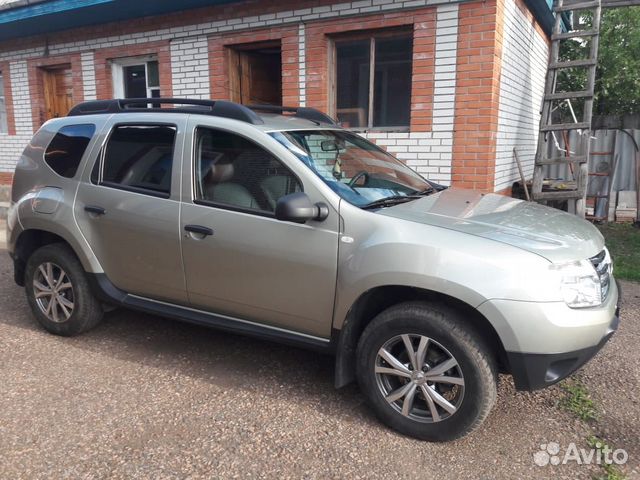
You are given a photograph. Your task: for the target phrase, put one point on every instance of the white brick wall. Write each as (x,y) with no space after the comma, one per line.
(190,67)
(88,75)
(21,97)
(302,65)
(524,65)
(11,146)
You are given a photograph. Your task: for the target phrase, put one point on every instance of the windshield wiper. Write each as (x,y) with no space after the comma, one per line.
(431,189)
(389,201)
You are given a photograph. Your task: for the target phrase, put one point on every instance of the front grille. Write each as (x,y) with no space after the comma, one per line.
(602,264)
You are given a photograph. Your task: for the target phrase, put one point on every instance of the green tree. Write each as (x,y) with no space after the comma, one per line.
(618,73)
(617,89)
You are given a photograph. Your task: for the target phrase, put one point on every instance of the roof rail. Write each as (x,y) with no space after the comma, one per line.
(305,113)
(218,108)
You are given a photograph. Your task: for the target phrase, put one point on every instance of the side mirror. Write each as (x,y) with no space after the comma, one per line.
(297,207)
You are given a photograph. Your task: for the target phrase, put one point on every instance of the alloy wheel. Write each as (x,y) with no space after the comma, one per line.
(419,378)
(53,292)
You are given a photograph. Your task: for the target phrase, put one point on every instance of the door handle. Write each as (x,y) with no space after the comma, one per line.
(199,229)
(95,209)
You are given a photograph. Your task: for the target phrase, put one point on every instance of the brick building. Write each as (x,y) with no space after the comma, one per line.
(448,86)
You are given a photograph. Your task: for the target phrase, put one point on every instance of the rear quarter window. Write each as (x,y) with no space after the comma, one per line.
(67,147)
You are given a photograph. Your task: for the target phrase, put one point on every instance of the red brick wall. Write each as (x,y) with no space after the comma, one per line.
(477,94)
(318,43)
(5,69)
(6,178)
(219,60)
(103,57)
(36,85)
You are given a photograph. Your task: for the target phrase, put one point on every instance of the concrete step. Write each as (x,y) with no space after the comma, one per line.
(4,208)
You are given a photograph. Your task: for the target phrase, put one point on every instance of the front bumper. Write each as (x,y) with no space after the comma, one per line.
(532,371)
(547,341)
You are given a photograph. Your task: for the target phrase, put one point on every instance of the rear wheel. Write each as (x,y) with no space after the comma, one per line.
(58,291)
(425,373)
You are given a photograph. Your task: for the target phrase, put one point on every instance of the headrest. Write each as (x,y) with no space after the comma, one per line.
(218,171)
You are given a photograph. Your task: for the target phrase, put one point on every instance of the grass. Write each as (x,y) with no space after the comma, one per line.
(623,241)
(611,471)
(577,400)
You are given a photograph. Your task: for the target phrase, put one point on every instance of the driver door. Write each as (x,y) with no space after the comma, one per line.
(239,259)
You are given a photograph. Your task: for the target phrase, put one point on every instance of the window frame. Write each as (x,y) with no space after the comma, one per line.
(226,206)
(117,70)
(99,162)
(371,35)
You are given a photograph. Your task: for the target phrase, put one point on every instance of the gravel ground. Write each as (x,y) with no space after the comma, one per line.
(141,396)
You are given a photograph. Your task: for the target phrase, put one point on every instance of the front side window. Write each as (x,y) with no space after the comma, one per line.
(357,170)
(3,107)
(233,171)
(139,158)
(373,81)
(66,149)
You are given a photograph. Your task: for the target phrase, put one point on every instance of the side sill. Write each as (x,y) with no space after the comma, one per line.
(109,293)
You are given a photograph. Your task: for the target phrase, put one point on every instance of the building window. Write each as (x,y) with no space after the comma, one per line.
(3,108)
(137,77)
(373,80)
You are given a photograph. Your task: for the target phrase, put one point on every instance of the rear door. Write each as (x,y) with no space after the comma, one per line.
(127,205)
(246,263)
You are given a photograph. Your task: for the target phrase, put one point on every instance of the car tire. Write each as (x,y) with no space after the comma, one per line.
(58,291)
(454,389)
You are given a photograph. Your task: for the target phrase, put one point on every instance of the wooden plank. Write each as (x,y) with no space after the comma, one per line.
(577,6)
(561,160)
(620,3)
(587,62)
(522,177)
(574,34)
(559,195)
(566,126)
(569,95)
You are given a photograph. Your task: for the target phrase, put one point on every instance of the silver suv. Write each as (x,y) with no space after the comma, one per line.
(277,223)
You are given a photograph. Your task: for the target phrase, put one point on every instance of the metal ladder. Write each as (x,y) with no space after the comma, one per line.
(578,164)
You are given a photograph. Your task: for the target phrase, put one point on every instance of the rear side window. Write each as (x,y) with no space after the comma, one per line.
(66,149)
(139,158)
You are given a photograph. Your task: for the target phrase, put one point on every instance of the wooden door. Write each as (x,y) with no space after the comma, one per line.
(264,78)
(58,91)
(255,77)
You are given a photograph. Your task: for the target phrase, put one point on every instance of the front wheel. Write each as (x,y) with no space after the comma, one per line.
(425,372)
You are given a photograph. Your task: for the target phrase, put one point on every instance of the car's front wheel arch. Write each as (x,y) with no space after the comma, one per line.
(378,299)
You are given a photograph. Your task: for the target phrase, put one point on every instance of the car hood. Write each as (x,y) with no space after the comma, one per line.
(551,233)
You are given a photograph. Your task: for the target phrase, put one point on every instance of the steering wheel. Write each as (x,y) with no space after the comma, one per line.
(358,176)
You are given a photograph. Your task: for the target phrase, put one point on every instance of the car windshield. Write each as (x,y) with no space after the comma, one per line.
(356,169)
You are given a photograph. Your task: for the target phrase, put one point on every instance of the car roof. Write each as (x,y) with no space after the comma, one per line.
(275,122)
(263,117)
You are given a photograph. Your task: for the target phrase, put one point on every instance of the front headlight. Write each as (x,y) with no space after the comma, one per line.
(579,284)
